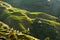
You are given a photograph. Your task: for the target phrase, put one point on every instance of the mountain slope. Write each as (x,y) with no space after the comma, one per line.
(22,20)
(7,33)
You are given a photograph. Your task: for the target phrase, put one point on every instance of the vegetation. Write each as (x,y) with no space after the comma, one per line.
(7,33)
(25,25)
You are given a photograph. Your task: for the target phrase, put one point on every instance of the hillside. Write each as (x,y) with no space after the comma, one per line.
(22,20)
(7,33)
(51,7)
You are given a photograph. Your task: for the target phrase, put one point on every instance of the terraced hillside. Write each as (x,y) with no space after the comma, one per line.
(24,21)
